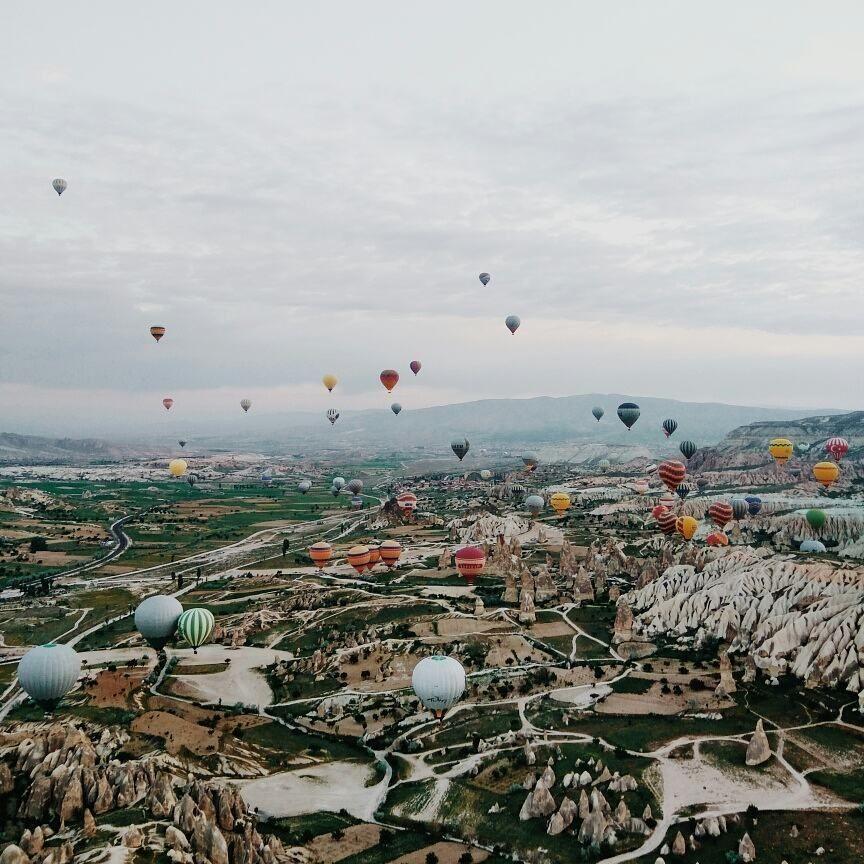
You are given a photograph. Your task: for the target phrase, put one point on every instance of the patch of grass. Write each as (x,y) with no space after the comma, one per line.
(296,830)
(632,684)
(847,785)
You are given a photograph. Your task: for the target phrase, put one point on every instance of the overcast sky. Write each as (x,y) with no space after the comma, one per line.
(669,194)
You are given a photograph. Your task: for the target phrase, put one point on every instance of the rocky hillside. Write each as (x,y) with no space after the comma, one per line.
(31,449)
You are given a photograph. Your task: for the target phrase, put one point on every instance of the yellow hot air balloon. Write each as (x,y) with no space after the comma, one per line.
(686,526)
(560,502)
(781,449)
(330,381)
(826,472)
(177,467)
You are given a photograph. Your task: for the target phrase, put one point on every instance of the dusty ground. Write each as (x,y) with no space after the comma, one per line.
(655,702)
(112,689)
(177,732)
(358,838)
(402,665)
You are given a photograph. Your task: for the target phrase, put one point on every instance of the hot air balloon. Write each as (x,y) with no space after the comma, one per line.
(812,546)
(395,407)
(640,487)
(717,538)
(513,322)
(156,619)
(59,185)
(534,503)
(816,519)
(438,682)
(826,472)
(460,447)
(658,510)
(484,278)
(355,487)
(530,460)
(245,404)
(358,557)
(650,469)
(415,366)
(330,381)
(781,450)
(407,501)
(374,555)
(598,412)
(390,552)
(167,402)
(754,504)
(666,522)
(320,553)
(332,416)
(560,502)
(182,443)
(740,509)
(687,448)
(686,526)
(669,426)
(177,467)
(196,627)
(334,491)
(720,513)
(304,486)
(339,483)
(517,489)
(191,479)
(672,474)
(604,465)
(47,673)
(470,561)
(157,332)
(702,483)
(682,490)
(628,413)
(837,447)
(356,502)
(667,500)
(485,474)
(389,378)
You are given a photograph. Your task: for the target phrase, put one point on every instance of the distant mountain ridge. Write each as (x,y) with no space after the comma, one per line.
(16,448)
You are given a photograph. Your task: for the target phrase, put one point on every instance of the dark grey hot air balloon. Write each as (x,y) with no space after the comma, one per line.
(355,487)
(59,185)
(395,407)
(48,672)
(332,416)
(182,443)
(484,278)
(598,412)
(687,448)
(682,490)
(156,619)
(754,504)
(191,479)
(628,413)
(669,426)
(740,509)
(460,447)
(530,460)
(513,322)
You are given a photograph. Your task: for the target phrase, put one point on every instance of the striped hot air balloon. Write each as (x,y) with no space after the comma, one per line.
(740,509)
(320,553)
(687,448)
(669,426)
(686,526)
(358,557)
(390,552)
(720,513)
(167,402)
(781,450)
(196,627)
(754,504)
(628,413)
(682,490)
(407,501)
(672,473)
(826,472)
(245,404)
(470,561)
(157,332)
(60,185)
(837,447)
(374,555)
(666,522)
(332,415)
(667,500)
(717,538)
(389,378)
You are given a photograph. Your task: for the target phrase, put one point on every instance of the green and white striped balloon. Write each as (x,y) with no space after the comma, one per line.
(196,627)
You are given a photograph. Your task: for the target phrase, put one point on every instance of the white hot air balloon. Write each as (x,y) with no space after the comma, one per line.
(48,672)
(245,404)
(485,474)
(59,185)
(156,619)
(535,504)
(438,682)
(304,486)
(338,482)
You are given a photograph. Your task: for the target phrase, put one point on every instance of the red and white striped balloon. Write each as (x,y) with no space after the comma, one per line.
(672,473)
(837,447)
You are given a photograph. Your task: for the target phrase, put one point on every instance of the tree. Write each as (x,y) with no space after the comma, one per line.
(431,858)
(385,837)
(38,544)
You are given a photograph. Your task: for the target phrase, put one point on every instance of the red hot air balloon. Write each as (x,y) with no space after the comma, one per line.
(658,510)
(672,473)
(470,560)
(666,522)
(167,402)
(389,378)
(358,557)
(720,513)
(407,501)
(717,538)
(415,366)
(837,447)
(390,552)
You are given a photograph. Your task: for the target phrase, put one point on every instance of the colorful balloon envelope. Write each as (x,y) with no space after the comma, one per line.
(407,501)
(389,378)
(686,526)
(415,366)
(470,561)
(196,627)
(396,408)
(687,448)
(837,447)
(658,510)
(667,500)
(560,502)
(598,412)
(374,555)
(330,381)
(672,474)
(628,413)
(717,538)
(816,519)
(669,426)
(484,278)
(667,522)
(682,490)
(720,513)
(157,332)
(534,503)
(826,472)
(640,487)
(530,460)
(332,416)
(320,553)
(358,557)
(781,450)
(512,322)
(60,185)
(754,504)
(740,509)
(177,467)
(167,402)
(460,447)
(390,552)
(245,404)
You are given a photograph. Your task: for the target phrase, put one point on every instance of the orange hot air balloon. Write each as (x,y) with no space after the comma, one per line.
(721,513)
(470,560)
(358,557)
(826,472)
(157,332)
(389,378)
(374,555)
(717,538)
(686,526)
(167,402)
(321,553)
(390,552)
